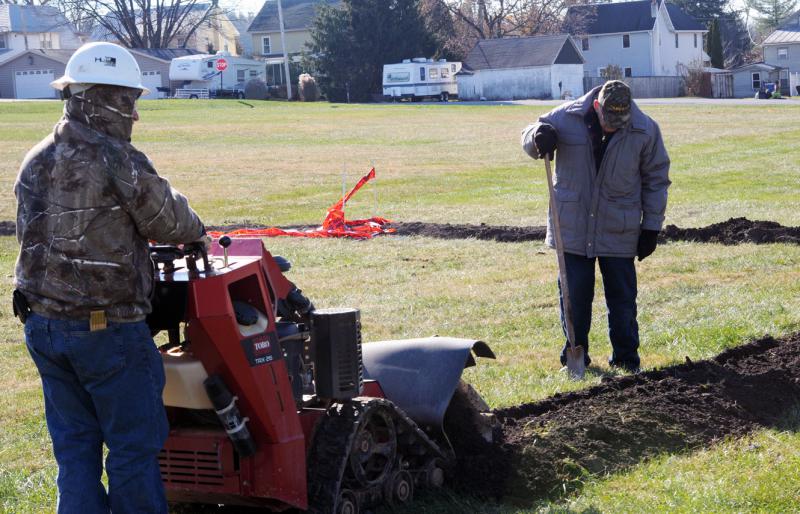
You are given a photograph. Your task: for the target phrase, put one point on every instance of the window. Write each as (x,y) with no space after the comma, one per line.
(756,81)
(601,71)
(433,73)
(275,74)
(398,76)
(210,64)
(695,40)
(628,72)
(422,73)
(626,41)
(45,40)
(453,68)
(445,73)
(266,46)
(783,53)
(2,41)
(240,75)
(254,73)
(676,40)
(584,43)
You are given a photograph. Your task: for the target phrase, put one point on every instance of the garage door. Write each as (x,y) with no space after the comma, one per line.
(151,80)
(34,84)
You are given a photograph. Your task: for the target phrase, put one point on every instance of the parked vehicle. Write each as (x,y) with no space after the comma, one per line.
(214,76)
(420,78)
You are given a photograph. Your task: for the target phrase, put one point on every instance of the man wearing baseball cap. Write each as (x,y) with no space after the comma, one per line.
(612,176)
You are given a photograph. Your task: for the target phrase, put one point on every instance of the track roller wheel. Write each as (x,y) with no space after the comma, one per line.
(374,447)
(434,475)
(348,502)
(399,489)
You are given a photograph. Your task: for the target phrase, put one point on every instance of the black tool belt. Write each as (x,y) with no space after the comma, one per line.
(21,307)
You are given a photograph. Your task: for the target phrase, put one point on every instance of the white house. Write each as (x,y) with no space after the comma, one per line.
(522,67)
(34,27)
(645,38)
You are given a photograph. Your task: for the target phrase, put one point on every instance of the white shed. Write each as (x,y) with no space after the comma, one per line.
(543,67)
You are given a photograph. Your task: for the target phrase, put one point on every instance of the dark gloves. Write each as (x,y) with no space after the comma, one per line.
(648,240)
(545,139)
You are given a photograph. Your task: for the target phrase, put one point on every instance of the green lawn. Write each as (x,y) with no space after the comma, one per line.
(281,164)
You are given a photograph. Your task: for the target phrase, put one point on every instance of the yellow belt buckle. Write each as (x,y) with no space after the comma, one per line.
(97,321)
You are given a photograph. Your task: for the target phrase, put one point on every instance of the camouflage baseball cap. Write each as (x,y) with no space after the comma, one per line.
(615,100)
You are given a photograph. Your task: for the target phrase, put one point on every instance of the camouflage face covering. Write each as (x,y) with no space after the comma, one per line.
(615,100)
(107,109)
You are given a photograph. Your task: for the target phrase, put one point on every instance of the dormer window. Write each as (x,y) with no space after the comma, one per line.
(626,41)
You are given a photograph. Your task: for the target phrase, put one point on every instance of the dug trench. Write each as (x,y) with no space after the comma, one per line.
(547,449)
(730,232)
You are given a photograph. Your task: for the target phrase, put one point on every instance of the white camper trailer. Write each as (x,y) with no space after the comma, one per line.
(420,78)
(210,76)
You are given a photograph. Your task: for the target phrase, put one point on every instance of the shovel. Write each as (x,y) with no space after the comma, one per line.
(576,366)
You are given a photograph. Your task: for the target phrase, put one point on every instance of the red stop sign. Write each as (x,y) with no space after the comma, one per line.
(222,64)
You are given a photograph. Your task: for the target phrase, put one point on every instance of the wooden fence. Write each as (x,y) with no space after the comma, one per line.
(644,87)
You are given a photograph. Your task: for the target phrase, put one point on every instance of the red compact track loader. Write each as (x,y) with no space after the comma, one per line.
(273,403)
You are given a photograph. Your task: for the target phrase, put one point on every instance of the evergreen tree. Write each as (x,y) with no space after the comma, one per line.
(351,43)
(714,45)
(772,12)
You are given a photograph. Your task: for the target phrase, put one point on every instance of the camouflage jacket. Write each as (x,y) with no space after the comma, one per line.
(88,202)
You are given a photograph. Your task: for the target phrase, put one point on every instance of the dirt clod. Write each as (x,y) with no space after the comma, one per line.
(549,447)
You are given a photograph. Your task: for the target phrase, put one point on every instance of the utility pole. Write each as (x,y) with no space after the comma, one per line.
(285,54)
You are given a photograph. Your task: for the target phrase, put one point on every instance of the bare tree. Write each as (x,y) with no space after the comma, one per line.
(143,23)
(488,19)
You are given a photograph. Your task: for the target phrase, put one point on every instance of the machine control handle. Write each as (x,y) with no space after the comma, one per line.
(225,242)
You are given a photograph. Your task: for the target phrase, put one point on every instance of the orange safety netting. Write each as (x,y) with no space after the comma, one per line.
(334,225)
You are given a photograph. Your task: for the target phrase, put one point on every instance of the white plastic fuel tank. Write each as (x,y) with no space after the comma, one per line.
(185,374)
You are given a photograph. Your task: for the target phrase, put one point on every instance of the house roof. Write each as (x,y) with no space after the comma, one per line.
(522,52)
(613,18)
(297,14)
(61,56)
(32,18)
(165,54)
(756,65)
(783,36)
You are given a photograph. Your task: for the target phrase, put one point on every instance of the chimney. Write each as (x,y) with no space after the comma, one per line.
(653,8)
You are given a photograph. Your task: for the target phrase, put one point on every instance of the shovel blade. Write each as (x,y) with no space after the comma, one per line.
(576,365)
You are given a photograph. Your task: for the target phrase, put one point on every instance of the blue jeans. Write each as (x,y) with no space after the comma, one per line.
(102,387)
(619,284)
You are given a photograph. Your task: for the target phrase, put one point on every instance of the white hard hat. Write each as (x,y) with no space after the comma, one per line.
(101,63)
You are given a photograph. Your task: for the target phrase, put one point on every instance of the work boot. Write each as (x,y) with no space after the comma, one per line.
(628,366)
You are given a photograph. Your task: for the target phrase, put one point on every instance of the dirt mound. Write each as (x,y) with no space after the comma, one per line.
(548,448)
(503,234)
(735,231)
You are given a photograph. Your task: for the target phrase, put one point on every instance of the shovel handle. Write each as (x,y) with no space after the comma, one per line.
(562,267)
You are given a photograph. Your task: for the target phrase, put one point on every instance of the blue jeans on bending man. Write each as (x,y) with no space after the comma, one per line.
(102,386)
(619,284)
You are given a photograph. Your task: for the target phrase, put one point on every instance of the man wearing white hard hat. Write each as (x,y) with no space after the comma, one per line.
(88,202)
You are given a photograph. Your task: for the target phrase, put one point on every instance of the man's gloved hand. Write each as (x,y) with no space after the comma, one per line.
(545,139)
(648,240)
(206,241)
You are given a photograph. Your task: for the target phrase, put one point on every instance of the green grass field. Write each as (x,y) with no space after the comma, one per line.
(279,163)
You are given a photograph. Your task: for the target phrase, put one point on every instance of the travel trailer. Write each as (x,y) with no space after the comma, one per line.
(209,76)
(420,78)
